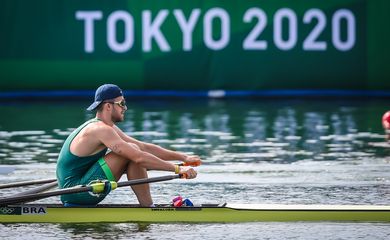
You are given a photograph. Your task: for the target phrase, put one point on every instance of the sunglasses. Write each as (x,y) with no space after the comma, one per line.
(119,103)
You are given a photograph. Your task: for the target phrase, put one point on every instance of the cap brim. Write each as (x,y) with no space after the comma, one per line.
(94,105)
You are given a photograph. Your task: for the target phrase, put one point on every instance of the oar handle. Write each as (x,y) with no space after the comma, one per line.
(192,164)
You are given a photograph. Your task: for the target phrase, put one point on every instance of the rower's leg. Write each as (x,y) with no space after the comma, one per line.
(120,165)
(142,191)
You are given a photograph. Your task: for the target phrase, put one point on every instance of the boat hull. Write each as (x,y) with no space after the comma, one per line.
(55,213)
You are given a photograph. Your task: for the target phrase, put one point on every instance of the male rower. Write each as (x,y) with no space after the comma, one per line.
(84,157)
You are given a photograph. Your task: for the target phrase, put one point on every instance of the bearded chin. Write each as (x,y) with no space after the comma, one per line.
(116,119)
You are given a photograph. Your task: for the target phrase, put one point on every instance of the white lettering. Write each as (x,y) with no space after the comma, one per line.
(251,42)
(292,29)
(151,29)
(121,28)
(128,31)
(187,27)
(311,42)
(336,30)
(208,28)
(89,17)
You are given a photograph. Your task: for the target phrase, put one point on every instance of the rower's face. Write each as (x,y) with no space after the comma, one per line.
(119,109)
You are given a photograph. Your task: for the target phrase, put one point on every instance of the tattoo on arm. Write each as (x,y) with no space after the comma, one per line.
(116,148)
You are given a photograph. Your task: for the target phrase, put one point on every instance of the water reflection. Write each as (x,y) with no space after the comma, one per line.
(102,231)
(257,151)
(245,231)
(269,151)
(219,131)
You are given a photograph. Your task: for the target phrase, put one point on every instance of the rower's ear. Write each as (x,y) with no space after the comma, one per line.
(101,107)
(107,106)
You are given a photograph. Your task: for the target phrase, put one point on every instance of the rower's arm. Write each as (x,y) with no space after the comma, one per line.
(129,139)
(112,140)
(158,151)
(166,154)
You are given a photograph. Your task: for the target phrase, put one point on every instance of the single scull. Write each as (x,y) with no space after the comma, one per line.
(56,213)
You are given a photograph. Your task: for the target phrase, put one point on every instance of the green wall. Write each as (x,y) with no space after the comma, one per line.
(232,45)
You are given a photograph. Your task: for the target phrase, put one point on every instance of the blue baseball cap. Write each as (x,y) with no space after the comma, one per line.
(103,93)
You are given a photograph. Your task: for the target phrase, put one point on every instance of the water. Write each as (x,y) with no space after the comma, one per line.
(244,231)
(254,151)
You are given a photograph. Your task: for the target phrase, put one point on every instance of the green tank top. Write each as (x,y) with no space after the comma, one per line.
(71,168)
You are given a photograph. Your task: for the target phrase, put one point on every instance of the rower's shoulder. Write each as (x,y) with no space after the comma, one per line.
(99,126)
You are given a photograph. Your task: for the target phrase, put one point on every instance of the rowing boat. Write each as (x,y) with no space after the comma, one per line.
(56,213)
(13,209)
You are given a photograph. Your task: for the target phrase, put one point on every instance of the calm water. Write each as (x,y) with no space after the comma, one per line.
(254,151)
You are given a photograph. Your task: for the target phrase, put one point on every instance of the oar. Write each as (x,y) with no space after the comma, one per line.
(39,189)
(95,188)
(26,183)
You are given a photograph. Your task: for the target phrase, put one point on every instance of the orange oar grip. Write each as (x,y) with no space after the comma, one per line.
(192,164)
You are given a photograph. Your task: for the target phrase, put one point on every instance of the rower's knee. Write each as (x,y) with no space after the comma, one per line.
(134,146)
(116,159)
(135,165)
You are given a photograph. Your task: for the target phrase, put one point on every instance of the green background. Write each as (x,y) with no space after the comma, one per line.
(42,48)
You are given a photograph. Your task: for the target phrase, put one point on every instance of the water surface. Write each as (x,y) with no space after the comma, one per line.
(254,151)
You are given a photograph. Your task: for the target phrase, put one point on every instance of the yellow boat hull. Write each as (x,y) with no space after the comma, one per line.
(55,213)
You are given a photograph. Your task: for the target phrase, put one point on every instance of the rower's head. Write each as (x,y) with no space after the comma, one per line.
(110,97)
(386,121)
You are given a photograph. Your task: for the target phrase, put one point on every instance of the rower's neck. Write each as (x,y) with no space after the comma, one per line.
(104,118)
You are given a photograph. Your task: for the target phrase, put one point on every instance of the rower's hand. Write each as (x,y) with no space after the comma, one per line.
(192,160)
(188,172)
